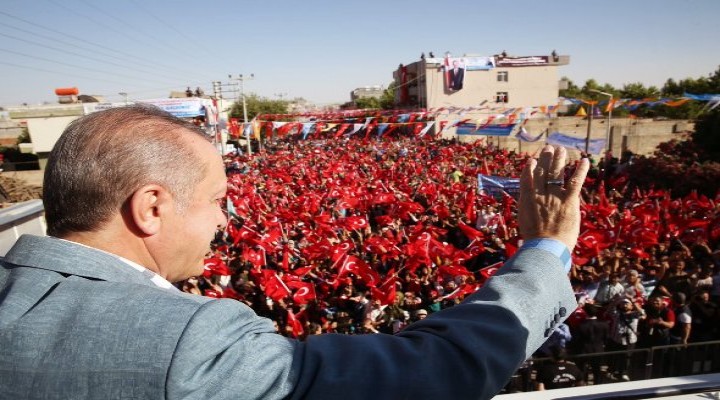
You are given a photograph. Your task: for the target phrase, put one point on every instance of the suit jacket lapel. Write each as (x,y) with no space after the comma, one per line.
(46,252)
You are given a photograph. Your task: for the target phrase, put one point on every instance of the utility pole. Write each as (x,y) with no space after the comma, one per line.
(217,95)
(225,92)
(610,108)
(241,78)
(587,137)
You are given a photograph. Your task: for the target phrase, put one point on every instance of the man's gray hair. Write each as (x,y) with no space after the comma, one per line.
(101,159)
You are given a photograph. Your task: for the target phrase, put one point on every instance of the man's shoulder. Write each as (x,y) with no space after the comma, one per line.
(32,284)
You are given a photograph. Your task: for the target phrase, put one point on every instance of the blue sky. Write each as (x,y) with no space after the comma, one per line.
(322,50)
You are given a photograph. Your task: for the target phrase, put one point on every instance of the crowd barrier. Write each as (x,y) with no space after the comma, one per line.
(646,363)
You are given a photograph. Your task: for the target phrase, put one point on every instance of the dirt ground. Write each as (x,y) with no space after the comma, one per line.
(19,186)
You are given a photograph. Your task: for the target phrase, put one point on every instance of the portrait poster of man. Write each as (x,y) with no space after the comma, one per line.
(454,73)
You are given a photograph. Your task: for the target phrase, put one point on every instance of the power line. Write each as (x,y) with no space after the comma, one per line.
(128,55)
(119,84)
(66,64)
(172,28)
(56,72)
(70,44)
(131,29)
(80,55)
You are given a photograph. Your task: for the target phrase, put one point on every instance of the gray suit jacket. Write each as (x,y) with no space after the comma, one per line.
(78,323)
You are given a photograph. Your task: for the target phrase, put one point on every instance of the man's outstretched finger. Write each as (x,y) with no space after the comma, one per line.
(574,185)
(557,164)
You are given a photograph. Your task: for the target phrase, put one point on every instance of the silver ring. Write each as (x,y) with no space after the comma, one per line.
(555,182)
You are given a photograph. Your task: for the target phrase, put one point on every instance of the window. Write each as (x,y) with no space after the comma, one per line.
(501,97)
(502,76)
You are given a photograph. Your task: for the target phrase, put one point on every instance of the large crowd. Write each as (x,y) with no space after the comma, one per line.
(355,236)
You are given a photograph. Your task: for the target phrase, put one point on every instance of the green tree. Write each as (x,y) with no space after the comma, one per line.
(368,103)
(638,91)
(24,136)
(386,101)
(257,105)
(707,134)
(691,109)
(571,91)
(587,92)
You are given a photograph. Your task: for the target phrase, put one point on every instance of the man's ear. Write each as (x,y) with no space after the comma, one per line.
(148,206)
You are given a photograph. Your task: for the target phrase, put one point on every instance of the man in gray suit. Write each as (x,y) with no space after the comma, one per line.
(132,199)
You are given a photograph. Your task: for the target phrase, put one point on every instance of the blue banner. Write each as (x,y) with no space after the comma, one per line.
(382,128)
(596,146)
(487,130)
(181,108)
(495,185)
(702,97)
(479,63)
(525,136)
(306,129)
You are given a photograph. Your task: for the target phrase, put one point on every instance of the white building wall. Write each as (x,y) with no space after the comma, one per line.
(44,132)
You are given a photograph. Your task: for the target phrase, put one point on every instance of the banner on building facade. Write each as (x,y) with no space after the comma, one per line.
(479,63)
(181,108)
(495,185)
(89,108)
(522,61)
(596,146)
(454,69)
(467,128)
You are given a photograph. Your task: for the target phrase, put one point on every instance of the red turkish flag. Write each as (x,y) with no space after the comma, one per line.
(245,234)
(255,257)
(474,249)
(355,222)
(714,229)
(295,324)
(383,220)
(358,267)
(302,271)
(215,266)
(377,244)
(385,292)
(491,270)
(286,258)
(470,232)
(511,247)
(275,288)
(454,270)
(441,210)
(420,248)
(604,207)
(341,129)
(591,242)
(470,206)
(384,198)
(341,249)
(304,291)
(437,248)
(462,291)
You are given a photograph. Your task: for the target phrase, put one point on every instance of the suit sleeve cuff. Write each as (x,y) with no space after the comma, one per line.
(553,246)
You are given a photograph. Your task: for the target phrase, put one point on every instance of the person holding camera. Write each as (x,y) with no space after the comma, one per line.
(626,315)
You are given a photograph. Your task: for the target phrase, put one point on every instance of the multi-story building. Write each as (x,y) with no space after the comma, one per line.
(473,82)
(365,92)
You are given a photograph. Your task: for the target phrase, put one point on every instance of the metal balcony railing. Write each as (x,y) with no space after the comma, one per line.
(641,364)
